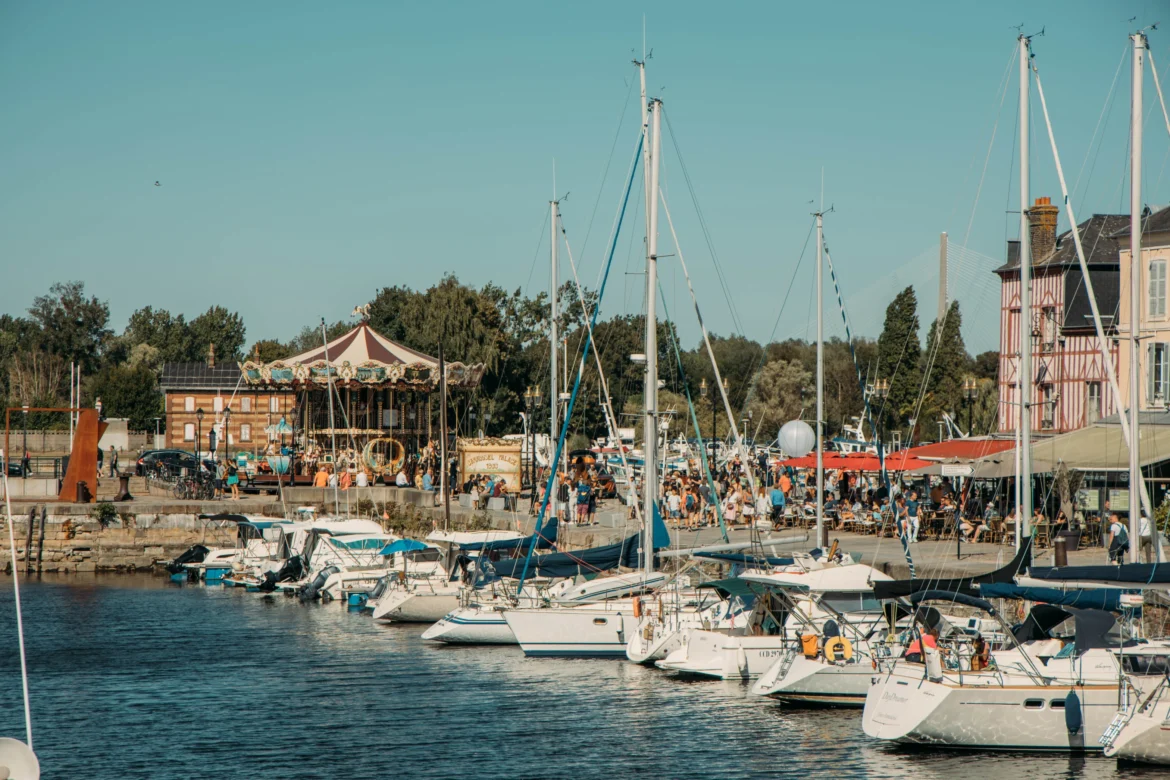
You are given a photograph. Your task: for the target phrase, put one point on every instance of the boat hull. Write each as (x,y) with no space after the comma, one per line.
(813,682)
(1145,739)
(714,654)
(572,633)
(471,626)
(414,607)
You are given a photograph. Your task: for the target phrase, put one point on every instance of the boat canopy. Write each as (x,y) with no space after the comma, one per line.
(954,597)
(1100,598)
(545,540)
(736,586)
(1092,626)
(895,589)
(744,559)
(402,545)
(627,553)
(1135,574)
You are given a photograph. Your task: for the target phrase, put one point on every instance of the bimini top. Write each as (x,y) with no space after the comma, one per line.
(854,578)
(259,523)
(361,358)
(1098,598)
(1092,626)
(402,545)
(545,540)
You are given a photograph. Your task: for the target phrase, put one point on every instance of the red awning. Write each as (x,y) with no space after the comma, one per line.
(858,461)
(961,449)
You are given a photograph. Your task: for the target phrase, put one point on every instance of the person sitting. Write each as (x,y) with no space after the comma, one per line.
(400,480)
(363,479)
(914,651)
(322,478)
(428,483)
(981,655)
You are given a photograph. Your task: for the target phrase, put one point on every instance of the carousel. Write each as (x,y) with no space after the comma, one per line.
(381,404)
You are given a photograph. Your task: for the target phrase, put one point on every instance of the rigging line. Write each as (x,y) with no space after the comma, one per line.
(1101,342)
(695,421)
(1109,97)
(609,162)
(580,371)
(19,615)
(607,405)
(991,144)
(1158,88)
(703,225)
(864,394)
(739,445)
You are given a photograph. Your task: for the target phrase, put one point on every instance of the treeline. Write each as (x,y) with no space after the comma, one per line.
(507,331)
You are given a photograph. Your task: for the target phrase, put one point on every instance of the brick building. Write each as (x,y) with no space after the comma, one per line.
(189,387)
(1070,384)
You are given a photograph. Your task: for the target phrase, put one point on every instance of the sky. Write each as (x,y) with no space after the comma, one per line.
(308,154)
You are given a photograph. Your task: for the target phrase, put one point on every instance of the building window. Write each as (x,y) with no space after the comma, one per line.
(189,432)
(1158,374)
(189,405)
(245,404)
(218,403)
(1048,414)
(1048,328)
(1157,288)
(245,432)
(1092,403)
(274,404)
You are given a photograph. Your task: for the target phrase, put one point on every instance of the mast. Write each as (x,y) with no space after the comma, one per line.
(820,380)
(1135,281)
(442,443)
(650,421)
(332,427)
(553,341)
(1025,477)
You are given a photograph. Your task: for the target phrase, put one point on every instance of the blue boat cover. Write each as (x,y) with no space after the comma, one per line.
(1102,598)
(1135,573)
(402,545)
(568,564)
(953,596)
(893,589)
(745,559)
(546,540)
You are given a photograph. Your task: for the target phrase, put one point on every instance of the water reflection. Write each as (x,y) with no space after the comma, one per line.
(133,676)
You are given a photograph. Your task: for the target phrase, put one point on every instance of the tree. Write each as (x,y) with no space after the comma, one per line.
(71,325)
(128,391)
(739,359)
(947,362)
(222,328)
(986,365)
(310,337)
(268,350)
(167,333)
(898,356)
(985,408)
(776,396)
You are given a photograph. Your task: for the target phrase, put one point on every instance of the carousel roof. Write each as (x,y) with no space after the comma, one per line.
(361,358)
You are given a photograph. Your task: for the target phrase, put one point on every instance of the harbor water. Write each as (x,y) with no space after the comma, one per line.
(135,677)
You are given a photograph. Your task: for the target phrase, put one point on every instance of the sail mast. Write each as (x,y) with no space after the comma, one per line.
(820,377)
(332,427)
(1135,281)
(650,420)
(553,341)
(1024,508)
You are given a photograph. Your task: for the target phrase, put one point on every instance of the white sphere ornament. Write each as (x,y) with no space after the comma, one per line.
(796,438)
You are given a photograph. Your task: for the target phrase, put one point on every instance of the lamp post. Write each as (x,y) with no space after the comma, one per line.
(881,389)
(157,420)
(24,464)
(227,433)
(198,435)
(970,391)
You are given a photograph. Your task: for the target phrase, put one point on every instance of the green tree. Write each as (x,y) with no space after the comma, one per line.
(947,362)
(739,359)
(222,328)
(985,365)
(71,325)
(167,333)
(128,391)
(268,350)
(776,396)
(310,337)
(898,357)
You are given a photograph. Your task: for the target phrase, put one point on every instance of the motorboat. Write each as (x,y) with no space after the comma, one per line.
(1056,687)
(747,648)
(257,542)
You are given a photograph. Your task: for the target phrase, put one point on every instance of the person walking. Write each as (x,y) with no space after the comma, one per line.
(220,478)
(113,462)
(1118,539)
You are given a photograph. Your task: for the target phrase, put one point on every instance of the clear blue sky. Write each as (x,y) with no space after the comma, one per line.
(310,153)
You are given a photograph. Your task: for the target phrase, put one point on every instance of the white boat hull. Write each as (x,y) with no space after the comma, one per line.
(416,606)
(814,681)
(472,626)
(574,632)
(715,654)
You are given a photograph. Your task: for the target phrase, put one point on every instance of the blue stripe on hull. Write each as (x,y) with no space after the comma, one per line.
(576,653)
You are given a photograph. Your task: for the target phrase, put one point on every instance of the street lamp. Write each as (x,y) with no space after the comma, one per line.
(227,433)
(198,435)
(970,391)
(157,420)
(24,464)
(881,389)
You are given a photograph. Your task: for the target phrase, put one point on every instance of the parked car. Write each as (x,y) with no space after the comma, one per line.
(174,461)
(14,471)
(147,459)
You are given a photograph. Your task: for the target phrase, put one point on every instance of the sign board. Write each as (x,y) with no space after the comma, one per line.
(492,457)
(1118,500)
(1089,500)
(957,469)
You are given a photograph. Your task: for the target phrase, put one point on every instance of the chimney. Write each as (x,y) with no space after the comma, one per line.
(211,356)
(1042,220)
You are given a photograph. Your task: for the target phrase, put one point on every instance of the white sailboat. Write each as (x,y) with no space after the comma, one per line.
(1143,734)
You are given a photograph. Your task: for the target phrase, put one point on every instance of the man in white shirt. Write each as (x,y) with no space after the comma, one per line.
(1146,540)
(401,480)
(362,479)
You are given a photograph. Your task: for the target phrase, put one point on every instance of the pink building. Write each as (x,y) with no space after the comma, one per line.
(1070,384)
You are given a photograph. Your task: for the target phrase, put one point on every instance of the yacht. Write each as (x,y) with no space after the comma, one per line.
(1055,688)
(1142,733)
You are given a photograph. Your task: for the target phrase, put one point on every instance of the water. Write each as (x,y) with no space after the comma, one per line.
(134,677)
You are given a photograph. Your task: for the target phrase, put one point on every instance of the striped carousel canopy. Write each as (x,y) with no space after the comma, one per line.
(361,358)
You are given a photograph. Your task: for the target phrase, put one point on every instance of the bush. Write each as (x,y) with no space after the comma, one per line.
(104,513)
